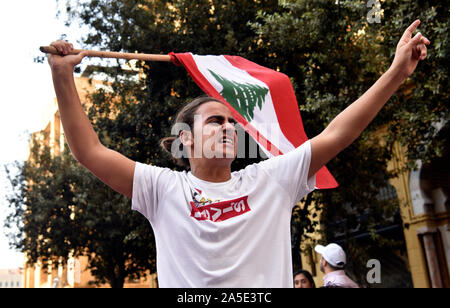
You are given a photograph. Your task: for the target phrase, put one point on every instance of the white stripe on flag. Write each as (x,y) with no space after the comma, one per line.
(264,120)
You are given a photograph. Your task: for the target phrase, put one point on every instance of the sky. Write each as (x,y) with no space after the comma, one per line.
(26,87)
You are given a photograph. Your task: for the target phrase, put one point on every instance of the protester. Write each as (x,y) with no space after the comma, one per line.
(303,280)
(215,228)
(332,264)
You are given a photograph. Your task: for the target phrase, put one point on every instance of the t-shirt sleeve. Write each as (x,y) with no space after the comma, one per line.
(291,170)
(149,185)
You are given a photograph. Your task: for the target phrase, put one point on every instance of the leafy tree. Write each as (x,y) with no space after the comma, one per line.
(39,200)
(61,210)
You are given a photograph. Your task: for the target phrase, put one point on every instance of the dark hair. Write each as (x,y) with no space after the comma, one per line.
(336,268)
(185,115)
(340,267)
(307,275)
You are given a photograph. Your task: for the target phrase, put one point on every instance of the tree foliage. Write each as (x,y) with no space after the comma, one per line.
(63,211)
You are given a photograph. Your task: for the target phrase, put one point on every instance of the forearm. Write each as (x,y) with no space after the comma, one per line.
(78,130)
(351,122)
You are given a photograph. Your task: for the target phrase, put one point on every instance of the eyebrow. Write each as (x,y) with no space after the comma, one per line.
(221,119)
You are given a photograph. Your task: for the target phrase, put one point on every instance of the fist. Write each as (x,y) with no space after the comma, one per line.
(63,47)
(66,60)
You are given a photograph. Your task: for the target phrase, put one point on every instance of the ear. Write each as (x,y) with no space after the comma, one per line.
(186,138)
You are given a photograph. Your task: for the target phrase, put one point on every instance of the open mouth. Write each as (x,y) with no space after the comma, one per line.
(227,140)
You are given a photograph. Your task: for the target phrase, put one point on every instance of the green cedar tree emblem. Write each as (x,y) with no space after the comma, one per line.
(244,97)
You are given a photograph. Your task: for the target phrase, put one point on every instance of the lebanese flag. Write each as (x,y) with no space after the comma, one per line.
(260,99)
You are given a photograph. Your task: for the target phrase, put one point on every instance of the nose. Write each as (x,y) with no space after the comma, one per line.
(228,127)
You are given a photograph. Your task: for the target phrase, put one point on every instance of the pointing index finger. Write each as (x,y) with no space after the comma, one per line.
(409,31)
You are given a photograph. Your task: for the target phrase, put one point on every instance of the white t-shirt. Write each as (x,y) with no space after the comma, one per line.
(339,279)
(231,234)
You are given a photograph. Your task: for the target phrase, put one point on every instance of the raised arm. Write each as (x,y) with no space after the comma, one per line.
(350,123)
(110,167)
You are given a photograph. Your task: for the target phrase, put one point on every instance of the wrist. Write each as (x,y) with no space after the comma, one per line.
(395,75)
(62,70)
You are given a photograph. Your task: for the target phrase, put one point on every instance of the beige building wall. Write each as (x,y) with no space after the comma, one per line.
(11,278)
(426,227)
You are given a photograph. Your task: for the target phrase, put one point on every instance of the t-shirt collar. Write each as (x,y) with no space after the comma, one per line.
(203,182)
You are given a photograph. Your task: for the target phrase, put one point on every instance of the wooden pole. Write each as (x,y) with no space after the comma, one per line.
(111,54)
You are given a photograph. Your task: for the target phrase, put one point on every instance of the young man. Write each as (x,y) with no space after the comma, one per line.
(332,264)
(214,228)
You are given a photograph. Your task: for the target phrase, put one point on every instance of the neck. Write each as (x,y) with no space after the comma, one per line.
(210,171)
(329,270)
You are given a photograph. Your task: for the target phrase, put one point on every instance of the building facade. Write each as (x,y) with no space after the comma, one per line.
(424,197)
(11,278)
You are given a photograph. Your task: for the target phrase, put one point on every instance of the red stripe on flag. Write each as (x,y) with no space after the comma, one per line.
(286,109)
(187,60)
(283,97)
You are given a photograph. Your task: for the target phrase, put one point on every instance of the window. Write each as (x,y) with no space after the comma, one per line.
(387,193)
(434,251)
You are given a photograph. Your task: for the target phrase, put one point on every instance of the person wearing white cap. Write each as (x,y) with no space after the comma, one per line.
(332,265)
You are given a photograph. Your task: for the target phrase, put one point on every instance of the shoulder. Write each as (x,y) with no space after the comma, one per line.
(251,171)
(155,173)
(288,162)
(142,167)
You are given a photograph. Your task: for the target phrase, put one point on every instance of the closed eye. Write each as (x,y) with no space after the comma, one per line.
(214,122)
(220,120)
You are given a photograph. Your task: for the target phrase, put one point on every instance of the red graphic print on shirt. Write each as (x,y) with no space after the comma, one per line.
(221,211)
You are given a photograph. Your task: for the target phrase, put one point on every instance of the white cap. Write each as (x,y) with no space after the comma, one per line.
(333,254)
